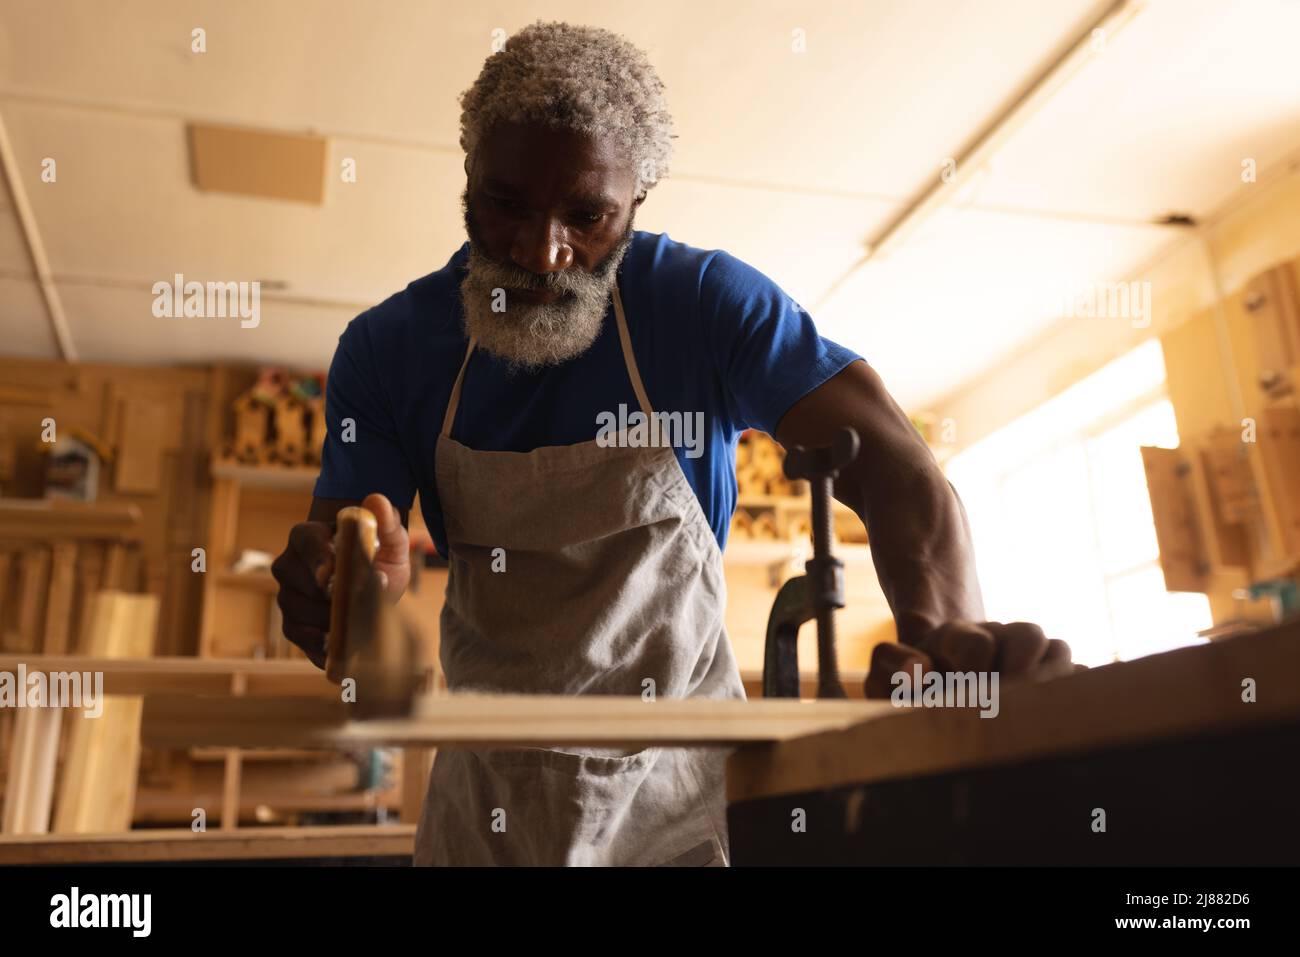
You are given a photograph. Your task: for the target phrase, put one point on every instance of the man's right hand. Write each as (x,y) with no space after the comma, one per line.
(305,570)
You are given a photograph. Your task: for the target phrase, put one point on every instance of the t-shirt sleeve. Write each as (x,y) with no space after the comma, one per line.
(363,452)
(766,347)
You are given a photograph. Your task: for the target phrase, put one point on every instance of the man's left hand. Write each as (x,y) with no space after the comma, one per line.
(1015,649)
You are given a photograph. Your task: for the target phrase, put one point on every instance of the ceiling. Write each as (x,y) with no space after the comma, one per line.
(790,161)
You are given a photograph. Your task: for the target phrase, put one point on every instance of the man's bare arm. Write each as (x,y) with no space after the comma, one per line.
(920,538)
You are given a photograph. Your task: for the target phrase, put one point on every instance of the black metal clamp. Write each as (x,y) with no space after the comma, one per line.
(818,592)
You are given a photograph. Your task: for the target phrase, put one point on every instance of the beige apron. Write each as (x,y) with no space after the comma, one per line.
(612,584)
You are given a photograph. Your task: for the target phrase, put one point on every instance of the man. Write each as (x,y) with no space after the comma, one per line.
(583,562)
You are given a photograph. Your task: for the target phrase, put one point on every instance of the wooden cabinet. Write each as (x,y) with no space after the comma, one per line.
(1227,502)
(1272,299)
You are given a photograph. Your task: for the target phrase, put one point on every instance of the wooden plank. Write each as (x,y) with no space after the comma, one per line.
(1160,696)
(59,603)
(114,567)
(233,769)
(484,721)
(7,719)
(223,526)
(44,520)
(185,505)
(182,844)
(33,583)
(270,791)
(8,618)
(160,806)
(6,567)
(90,575)
(230,784)
(291,755)
(29,784)
(97,792)
(187,675)
(12,396)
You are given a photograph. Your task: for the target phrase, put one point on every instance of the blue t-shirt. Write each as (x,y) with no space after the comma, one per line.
(710,334)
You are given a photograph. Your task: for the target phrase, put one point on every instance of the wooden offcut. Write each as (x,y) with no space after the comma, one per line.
(97,790)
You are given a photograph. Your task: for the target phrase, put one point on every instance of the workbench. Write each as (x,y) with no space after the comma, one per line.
(1184,768)
(1164,751)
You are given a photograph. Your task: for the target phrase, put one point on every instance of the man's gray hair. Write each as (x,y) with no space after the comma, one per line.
(577,78)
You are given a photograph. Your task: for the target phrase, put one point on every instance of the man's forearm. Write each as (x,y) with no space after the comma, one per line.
(920,543)
(920,539)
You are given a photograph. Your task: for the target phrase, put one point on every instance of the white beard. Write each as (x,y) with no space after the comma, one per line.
(532,336)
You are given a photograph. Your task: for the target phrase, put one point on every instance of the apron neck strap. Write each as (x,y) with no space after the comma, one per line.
(629,360)
(454,402)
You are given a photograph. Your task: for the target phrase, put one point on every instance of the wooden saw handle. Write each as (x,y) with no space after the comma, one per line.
(356,539)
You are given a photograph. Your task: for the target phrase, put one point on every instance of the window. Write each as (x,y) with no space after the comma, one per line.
(1062,522)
